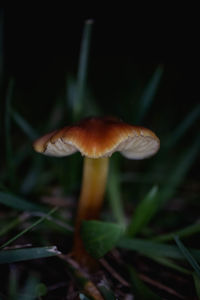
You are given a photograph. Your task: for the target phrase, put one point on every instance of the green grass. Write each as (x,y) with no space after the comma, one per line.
(147,202)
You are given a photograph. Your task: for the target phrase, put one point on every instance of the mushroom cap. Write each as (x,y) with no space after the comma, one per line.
(99,137)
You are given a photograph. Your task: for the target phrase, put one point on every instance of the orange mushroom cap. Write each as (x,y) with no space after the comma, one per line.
(100,137)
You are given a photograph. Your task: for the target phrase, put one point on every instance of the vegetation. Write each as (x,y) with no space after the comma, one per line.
(147,239)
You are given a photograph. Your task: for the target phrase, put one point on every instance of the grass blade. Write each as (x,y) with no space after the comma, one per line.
(114,194)
(188,255)
(149,248)
(12,224)
(170,264)
(24,126)
(197,284)
(28,228)
(82,70)
(15,255)
(185,232)
(107,294)
(9,156)
(183,127)
(1,48)
(13,282)
(140,290)
(29,292)
(144,212)
(19,203)
(149,94)
(179,171)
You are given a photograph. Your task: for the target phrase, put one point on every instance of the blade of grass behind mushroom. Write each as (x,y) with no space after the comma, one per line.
(179,171)
(8,142)
(182,128)
(144,212)
(79,99)
(148,95)
(114,193)
(160,162)
(24,125)
(1,49)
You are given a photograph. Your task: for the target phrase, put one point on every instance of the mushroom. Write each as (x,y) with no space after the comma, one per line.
(96,139)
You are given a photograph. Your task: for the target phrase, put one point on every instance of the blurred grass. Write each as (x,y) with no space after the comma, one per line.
(137,201)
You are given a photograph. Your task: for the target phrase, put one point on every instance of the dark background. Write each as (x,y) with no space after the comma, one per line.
(42,47)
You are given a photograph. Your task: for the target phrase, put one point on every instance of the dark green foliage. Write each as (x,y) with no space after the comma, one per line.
(150,200)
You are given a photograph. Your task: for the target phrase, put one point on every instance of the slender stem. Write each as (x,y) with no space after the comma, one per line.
(90,203)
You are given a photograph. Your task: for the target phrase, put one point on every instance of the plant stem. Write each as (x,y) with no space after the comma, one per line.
(90,203)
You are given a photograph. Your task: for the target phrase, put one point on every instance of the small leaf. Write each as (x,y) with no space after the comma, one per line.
(100,237)
(188,255)
(144,212)
(15,255)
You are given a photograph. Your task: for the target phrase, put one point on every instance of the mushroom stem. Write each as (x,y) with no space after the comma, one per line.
(91,199)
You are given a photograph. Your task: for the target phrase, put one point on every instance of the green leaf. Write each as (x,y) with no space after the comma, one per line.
(19,203)
(144,212)
(15,255)
(149,248)
(100,237)
(140,290)
(192,261)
